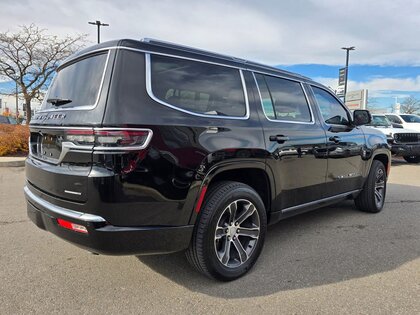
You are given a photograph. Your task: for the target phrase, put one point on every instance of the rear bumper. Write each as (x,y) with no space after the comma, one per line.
(103,238)
(405,149)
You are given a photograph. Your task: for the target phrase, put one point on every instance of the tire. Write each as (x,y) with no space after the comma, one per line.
(223,251)
(372,197)
(412,159)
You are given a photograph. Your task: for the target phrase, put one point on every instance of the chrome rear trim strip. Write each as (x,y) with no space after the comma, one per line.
(59,211)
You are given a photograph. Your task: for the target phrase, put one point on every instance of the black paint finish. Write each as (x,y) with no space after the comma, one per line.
(296,163)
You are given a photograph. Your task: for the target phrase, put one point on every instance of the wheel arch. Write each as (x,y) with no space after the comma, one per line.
(253,174)
(383,156)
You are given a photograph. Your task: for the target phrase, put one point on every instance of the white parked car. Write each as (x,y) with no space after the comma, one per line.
(408,121)
(403,142)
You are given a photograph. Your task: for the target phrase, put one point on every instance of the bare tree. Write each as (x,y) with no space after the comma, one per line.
(410,105)
(30,56)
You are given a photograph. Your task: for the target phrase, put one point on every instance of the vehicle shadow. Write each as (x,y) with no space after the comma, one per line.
(325,246)
(398,161)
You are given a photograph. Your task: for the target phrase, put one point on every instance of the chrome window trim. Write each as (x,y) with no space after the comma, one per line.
(156,99)
(82,107)
(312,122)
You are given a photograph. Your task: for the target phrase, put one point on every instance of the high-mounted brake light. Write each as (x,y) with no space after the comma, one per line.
(110,139)
(72,226)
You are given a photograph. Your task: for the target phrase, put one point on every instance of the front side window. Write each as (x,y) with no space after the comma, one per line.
(283,99)
(79,82)
(198,87)
(331,109)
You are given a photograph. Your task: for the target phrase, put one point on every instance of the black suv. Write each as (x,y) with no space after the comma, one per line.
(147,147)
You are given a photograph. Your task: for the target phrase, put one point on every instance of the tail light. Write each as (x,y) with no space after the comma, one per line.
(105,139)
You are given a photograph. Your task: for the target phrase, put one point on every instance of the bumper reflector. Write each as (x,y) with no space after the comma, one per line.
(72,226)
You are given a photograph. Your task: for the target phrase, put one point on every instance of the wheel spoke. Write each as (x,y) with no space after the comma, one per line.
(249,210)
(380,184)
(378,196)
(233,207)
(250,232)
(226,252)
(243,256)
(220,232)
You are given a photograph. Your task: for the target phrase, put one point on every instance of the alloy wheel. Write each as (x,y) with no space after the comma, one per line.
(237,232)
(380,188)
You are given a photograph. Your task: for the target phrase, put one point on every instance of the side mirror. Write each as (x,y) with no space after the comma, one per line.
(361,117)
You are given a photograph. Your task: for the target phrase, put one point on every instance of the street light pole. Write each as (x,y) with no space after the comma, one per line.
(347,49)
(98,24)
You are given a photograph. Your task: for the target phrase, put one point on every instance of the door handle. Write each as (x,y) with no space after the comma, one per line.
(279,138)
(335,139)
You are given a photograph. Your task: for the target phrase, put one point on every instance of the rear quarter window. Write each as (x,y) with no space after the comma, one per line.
(197,87)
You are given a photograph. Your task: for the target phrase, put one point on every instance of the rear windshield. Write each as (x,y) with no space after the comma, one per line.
(79,82)
(198,87)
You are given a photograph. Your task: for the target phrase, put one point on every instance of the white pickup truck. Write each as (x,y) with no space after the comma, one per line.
(404,142)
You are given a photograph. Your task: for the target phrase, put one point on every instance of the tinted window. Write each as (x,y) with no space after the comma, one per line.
(266,101)
(283,99)
(198,87)
(411,118)
(331,109)
(380,121)
(79,82)
(394,119)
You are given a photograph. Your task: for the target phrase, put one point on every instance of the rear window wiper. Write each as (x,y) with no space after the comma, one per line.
(59,101)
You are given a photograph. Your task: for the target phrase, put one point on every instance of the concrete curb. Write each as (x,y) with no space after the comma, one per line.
(12,161)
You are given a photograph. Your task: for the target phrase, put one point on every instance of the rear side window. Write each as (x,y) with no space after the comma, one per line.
(331,109)
(283,99)
(198,87)
(79,82)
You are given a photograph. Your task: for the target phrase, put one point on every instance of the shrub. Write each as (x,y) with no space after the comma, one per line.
(14,139)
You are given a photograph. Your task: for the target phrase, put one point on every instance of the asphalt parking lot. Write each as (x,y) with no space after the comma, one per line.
(331,261)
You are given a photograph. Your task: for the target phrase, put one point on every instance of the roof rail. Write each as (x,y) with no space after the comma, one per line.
(166,44)
(203,52)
